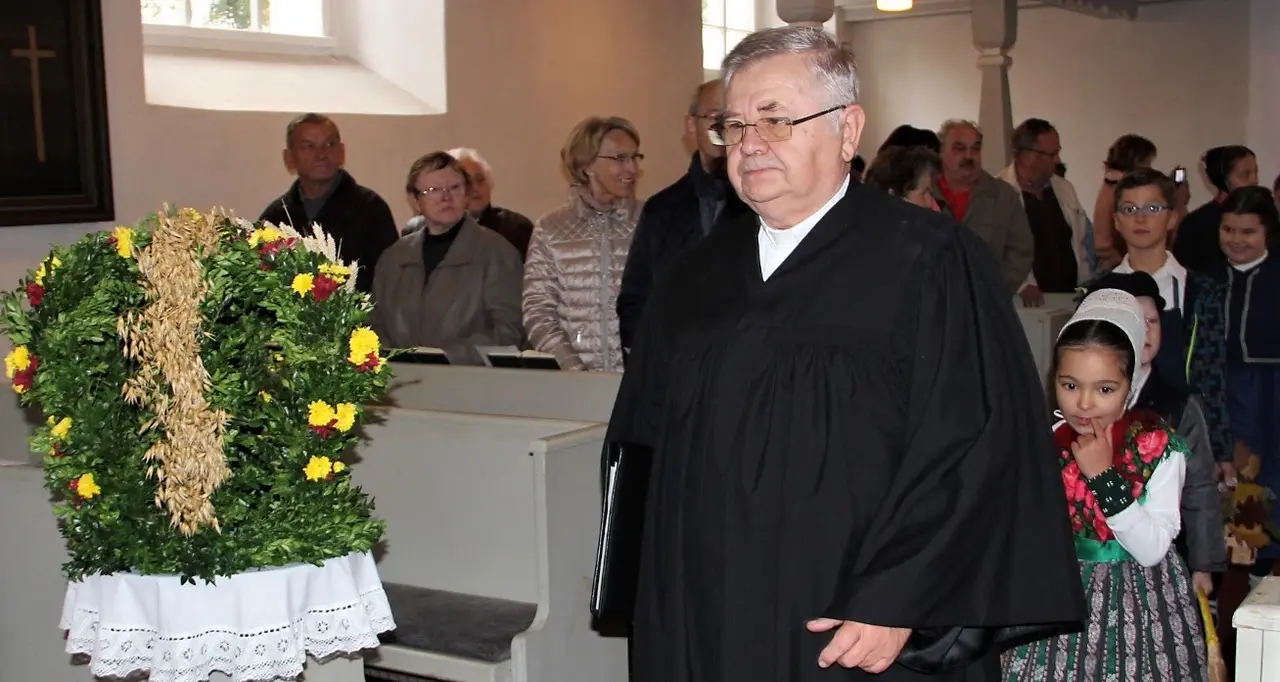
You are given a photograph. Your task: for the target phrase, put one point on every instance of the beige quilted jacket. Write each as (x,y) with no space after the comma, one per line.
(571,279)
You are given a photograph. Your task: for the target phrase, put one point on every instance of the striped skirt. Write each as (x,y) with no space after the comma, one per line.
(1143,625)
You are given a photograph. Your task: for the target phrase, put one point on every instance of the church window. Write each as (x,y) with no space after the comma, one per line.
(724,24)
(260,26)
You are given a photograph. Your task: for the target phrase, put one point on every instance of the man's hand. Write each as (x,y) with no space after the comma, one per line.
(856,645)
(1032,297)
(1203,581)
(1227,474)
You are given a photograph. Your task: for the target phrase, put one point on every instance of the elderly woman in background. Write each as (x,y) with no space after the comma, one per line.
(453,284)
(910,173)
(578,251)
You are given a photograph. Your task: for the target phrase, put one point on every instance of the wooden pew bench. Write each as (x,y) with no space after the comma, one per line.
(491,530)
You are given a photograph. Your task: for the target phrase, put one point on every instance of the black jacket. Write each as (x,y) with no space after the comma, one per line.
(1200,541)
(670,223)
(356,217)
(1196,244)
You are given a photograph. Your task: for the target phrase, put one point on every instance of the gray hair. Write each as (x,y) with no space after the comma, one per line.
(953,123)
(834,67)
(467,153)
(699,91)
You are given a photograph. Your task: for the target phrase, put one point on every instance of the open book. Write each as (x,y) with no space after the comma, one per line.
(510,356)
(423,355)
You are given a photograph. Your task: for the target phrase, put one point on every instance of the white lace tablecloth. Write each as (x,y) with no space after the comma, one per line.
(253,626)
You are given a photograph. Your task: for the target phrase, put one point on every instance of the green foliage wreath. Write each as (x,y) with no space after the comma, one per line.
(287,367)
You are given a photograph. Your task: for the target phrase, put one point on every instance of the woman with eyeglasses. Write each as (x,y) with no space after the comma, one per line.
(453,284)
(578,251)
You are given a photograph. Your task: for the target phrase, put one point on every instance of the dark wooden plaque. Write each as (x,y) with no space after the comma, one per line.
(55,161)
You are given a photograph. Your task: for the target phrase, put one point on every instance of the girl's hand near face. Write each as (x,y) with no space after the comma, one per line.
(1093,452)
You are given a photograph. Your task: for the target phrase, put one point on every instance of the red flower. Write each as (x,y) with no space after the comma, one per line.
(1101,529)
(1137,489)
(1151,444)
(74,485)
(1070,477)
(23,380)
(57,451)
(35,294)
(371,362)
(324,431)
(324,287)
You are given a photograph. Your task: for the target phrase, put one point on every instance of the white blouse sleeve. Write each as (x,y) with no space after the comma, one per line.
(1148,529)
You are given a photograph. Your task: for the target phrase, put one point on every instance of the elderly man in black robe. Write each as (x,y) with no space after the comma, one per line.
(852,473)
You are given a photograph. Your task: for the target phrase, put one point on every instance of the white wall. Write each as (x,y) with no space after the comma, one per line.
(1264,87)
(1179,75)
(521,73)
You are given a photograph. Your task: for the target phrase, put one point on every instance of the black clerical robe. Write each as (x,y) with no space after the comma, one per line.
(861,437)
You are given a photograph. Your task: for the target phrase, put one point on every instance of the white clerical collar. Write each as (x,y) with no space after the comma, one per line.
(1245,267)
(793,236)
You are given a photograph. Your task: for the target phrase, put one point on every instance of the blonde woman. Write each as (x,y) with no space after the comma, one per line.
(578,251)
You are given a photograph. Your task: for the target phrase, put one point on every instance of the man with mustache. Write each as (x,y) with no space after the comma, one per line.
(984,204)
(851,478)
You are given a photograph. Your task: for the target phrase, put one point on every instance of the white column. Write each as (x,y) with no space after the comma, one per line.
(806,12)
(995,29)
(1263,125)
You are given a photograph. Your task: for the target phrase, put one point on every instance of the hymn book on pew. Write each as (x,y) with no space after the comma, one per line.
(510,356)
(423,355)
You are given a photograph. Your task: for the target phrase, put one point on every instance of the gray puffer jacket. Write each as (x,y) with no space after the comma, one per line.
(571,280)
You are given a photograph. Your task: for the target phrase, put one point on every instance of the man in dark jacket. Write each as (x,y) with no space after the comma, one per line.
(356,217)
(680,215)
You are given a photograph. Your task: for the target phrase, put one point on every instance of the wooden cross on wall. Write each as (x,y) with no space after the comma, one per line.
(33,54)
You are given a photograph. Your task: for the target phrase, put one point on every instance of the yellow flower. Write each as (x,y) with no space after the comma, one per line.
(266,397)
(86,487)
(266,235)
(318,468)
(346,416)
(363,343)
(302,283)
(45,268)
(336,272)
(18,360)
(124,241)
(61,429)
(320,413)
(339,467)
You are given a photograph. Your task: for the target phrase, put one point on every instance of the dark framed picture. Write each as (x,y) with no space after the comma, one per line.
(55,156)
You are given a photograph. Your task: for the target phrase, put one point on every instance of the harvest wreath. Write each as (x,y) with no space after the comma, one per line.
(202,378)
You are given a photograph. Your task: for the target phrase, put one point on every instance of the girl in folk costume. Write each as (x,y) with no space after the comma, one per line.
(1123,471)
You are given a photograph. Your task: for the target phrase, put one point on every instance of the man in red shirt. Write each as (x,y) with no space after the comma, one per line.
(983,203)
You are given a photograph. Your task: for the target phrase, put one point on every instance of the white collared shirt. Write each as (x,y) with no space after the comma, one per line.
(776,245)
(1171,278)
(1245,267)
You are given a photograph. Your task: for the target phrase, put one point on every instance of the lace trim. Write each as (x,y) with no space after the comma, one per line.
(276,653)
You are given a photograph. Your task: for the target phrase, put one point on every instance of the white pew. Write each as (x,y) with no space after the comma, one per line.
(494,519)
(584,396)
(1257,623)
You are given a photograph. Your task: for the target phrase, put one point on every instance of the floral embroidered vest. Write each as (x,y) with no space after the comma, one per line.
(1142,441)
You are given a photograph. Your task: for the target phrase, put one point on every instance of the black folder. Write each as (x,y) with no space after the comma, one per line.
(626,486)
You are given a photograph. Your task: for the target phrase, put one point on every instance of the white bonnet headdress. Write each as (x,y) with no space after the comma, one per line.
(1121,309)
